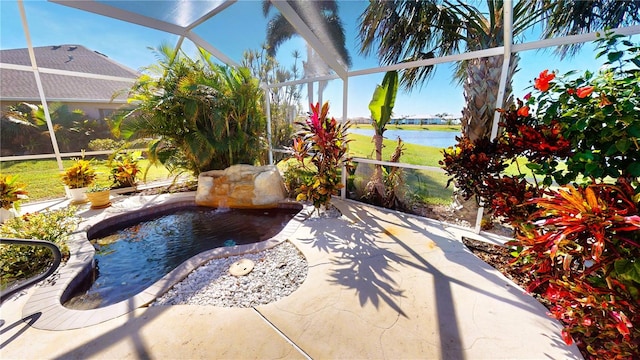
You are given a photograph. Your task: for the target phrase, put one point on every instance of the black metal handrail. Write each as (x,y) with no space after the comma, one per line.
(57,259)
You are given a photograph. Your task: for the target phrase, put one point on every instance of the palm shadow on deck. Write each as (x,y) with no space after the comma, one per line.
(376,251)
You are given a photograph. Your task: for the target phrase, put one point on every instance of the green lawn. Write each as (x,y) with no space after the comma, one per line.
(362,146)
(42,177)
(423,185)
(426,185)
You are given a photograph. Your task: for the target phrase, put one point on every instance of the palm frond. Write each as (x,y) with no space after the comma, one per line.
(279,30)
(564,17)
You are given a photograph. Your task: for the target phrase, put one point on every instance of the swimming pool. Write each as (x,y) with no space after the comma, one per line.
(135,251)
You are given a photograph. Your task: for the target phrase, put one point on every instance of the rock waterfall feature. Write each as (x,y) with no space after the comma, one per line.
(241,186)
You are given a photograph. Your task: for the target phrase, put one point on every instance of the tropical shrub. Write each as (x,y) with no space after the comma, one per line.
(598,113)
(470,163)
(580,243)
(195,115)
(584,128)
(25,131)
(476,167)
(585,253)
(125,169)
(80,174)
(105,144)
(323,142)
(294,176)
(11,191)
(393,191)
(585,246)
(21,261)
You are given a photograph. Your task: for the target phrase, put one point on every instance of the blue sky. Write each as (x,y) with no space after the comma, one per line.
(241,27)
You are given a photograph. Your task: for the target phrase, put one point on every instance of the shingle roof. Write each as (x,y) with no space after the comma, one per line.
(21,85)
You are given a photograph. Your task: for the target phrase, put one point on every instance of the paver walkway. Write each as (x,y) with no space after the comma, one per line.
(381,285)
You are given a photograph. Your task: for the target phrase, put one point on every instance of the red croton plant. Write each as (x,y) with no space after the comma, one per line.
(583,245)
(322,140)
(580,243)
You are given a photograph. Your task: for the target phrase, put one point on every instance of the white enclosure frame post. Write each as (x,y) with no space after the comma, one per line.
(345,105)
(267,99)
(506,64)
(36,74)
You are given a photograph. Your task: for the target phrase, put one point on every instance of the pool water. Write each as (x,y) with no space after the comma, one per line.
(131,257)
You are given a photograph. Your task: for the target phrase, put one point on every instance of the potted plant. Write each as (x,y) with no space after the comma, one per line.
(77,178)
(99,196)
(11,192)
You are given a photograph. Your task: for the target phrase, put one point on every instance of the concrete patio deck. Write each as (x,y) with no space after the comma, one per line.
(381,285)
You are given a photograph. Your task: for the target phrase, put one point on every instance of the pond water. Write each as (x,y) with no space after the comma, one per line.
(132,257)
(439,139)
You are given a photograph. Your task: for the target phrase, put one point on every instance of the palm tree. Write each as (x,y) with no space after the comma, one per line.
(417,30)
(280,30)
(284,101)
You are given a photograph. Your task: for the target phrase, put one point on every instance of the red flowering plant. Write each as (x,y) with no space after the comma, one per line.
(476,167)
(542,82)
(322,141)
(598,113)
(572,130)
(583,247)
(472,164)
(582,244)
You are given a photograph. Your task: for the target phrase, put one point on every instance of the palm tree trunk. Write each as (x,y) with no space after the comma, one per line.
(307,70)
(310,93)
(481,93)
(322,85)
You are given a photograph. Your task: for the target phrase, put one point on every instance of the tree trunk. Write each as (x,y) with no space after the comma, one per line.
(375,188)
(481,93)
(310,94)
(308,69)
(322,85)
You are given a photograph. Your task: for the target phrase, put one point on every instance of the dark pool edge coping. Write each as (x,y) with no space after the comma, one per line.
(46,299)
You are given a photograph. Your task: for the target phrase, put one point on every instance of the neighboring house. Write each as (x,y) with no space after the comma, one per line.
(92,95)
(360,120)
(413,120)
(418,120)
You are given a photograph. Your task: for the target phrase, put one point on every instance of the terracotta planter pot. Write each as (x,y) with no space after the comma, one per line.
(99,199)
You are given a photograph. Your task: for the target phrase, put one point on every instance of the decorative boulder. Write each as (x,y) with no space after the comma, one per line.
(241,186)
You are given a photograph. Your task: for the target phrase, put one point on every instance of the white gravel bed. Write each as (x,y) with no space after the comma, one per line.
(278,272)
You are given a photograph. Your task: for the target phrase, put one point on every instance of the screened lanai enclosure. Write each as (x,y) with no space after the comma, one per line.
(72,71)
